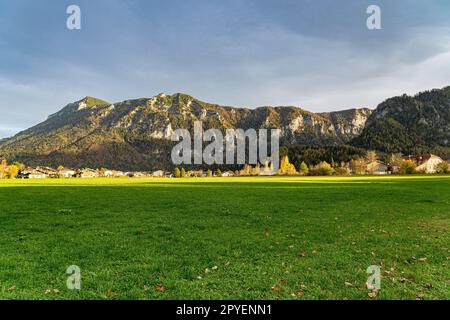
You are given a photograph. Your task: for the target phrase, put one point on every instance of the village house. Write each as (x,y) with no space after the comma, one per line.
(67,173)
(377,167)
(119,173)
(37,173)
(427,163)
(196,173)
(228,174)
(32,173)
(50,172)
(108,173)
(168,174)
(137,174)
(87,173)
(158,174)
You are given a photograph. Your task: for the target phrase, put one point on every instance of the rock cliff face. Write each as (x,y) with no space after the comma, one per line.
(135,134)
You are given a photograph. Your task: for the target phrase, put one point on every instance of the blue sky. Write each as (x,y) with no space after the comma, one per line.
(316,54)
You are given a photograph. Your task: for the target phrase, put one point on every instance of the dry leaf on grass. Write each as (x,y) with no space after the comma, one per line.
(160,288)
(109,293)
(372,294)
(301,254)
(276,288)
(422,259)
(300,293)
(348,284)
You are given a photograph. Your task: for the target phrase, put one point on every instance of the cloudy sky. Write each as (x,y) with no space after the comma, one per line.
(317,54)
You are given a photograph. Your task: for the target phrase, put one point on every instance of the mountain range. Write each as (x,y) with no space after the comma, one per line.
(135,134)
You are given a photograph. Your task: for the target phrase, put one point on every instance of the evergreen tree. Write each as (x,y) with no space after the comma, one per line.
(177,173)
(183,173)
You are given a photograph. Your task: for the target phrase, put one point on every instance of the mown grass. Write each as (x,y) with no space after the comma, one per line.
(270,238)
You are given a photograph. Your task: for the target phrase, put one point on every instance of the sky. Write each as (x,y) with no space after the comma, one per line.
(315,54)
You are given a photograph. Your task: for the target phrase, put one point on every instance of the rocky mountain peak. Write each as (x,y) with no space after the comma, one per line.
(135,134)
(90,102)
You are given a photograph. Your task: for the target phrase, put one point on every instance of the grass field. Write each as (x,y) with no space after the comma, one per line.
(225,238)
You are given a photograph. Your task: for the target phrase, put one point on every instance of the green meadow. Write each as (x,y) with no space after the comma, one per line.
(226,238)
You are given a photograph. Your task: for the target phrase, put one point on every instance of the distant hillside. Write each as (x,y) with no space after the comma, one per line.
(134,134)
(409,125)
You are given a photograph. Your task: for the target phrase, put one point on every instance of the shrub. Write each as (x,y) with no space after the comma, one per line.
(287,168)
(13,171)
(322,169)
(342,171)
(408,167)
(442,167)
(256,171)
(303,169)
(246,171)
